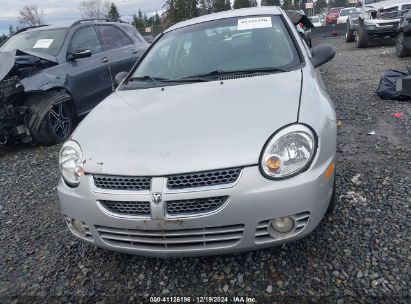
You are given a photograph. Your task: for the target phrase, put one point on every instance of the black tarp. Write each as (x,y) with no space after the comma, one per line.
(395,84)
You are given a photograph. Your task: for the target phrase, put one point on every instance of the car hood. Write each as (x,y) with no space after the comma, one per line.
(187,128)
(386,4)
(23,59)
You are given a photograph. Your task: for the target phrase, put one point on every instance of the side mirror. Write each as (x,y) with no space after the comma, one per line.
(119,78)
(322,54)
(79,53)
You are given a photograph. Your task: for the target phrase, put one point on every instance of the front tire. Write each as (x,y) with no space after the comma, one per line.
(51,119)
(333,201)
(362,40)
(349,34)
(400,48)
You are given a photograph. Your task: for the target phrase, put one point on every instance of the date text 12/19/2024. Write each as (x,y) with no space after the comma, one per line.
(205,299)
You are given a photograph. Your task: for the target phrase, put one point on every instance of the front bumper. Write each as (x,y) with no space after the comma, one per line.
(242,223)
(381,27)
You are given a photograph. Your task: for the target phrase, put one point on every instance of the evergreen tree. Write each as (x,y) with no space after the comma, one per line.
(138,20)
(339,3)
(320,6)
(221,5)
(179,10)
(270,3)
(11,30)
(244,3)
(227,5)
(113,12)
(287,4)
(203,8)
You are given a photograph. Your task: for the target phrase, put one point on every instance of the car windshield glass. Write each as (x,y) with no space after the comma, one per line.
(345,12)
(315,19)
(334,10)
(218,47)
(43,41)
(370,1)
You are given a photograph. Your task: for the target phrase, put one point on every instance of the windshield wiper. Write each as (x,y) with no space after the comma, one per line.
(237,72)
(150,78)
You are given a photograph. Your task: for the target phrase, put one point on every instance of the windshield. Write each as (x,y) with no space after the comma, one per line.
(44,41)
(335,10)
(346,12)
(370,1)
(315,19)
(218,47)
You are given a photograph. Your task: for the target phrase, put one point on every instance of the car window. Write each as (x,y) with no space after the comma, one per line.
(230,44)
(110,37)
(42,40)
(345,12)
(132,31)
(85,38)
(124,38)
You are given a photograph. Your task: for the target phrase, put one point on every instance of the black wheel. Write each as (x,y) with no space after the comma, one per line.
(349,34)
(362,39)
(400,48)
(333,201)
(51,118)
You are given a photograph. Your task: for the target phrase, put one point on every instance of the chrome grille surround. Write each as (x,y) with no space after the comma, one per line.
(193,207)
(126,208)
(122,183)
(182,239)
(389,13)
(263,234)
(203,179)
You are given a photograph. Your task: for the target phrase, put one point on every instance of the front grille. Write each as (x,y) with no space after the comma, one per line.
(182,239)
(405,9)
(262,233)
(127,208)
(128,183)
(195,206)
(203,179)
(389,13)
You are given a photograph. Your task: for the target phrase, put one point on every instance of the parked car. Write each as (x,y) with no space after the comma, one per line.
(332,15)
(403,44)
(344,13)
(379,19)
(352,25)
(51,74)
(222,138)
(315,20)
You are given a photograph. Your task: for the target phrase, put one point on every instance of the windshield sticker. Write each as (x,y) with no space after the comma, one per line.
(43,44)
(253,23)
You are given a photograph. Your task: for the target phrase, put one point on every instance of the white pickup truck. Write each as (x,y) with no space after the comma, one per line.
(379,19)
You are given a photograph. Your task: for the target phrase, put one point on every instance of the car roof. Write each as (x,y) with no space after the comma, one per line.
(264,10)
(42,28)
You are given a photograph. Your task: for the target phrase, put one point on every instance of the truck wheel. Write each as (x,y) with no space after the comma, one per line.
(400,48)
(362,39)
(349,34)
(51,118)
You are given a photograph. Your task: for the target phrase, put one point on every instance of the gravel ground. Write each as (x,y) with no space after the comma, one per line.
(361,254)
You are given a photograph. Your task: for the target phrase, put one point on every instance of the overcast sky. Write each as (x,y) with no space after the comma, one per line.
(63,12)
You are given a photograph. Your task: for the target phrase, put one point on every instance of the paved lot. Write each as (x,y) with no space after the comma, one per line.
(361,254)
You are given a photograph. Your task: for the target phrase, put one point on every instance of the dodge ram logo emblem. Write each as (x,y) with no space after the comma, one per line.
(156,198)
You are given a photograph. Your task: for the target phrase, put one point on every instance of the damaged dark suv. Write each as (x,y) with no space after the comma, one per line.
(51,75)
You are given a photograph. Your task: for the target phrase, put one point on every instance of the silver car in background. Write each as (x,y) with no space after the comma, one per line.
(221,139)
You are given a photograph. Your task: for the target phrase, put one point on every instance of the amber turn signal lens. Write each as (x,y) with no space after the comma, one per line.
(329,171)
(273,163)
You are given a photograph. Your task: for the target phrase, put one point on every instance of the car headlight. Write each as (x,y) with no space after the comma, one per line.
(288,152)
(71,163)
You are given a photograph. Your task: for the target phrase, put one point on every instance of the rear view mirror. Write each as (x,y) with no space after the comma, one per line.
(79,53)
(119,78)
(322,54)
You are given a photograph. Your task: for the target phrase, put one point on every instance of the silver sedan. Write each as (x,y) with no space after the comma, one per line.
(221,139)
